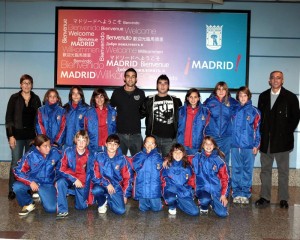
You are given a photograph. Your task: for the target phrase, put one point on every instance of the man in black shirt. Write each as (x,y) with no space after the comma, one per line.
(128,99)
(161,112)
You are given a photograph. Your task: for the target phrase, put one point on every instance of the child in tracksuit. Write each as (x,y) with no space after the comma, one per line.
(211,178)
(111,177)
(147,165)
(100,120)
(50,119)
(75,111)
(244,146)
(36,172)
(192,121)
(74,172)
(177,182)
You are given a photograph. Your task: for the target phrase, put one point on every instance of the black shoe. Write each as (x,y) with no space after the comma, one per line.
(11,195)
(284,204)
(262,202)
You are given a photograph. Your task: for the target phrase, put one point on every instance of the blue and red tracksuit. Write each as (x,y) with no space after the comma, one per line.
(91,124)
(115,171)
(51,121)
(245,137)
(177,189)
(147,181)
(33,167)
(73,166)
(75,121)
(220,125)
(198,127)
(211,181)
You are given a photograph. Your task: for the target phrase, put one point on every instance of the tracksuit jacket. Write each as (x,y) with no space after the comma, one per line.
(147,181)
(51,121)
(67,167)
(199,125)
(220,118)
(211,174)
(245,127)
(178,180)
(34,167)
(115,171)
(91,124)
(75,121)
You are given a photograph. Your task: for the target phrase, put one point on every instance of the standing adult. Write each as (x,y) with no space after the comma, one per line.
(19,121)
(161,112)
(280,117)
(128,99)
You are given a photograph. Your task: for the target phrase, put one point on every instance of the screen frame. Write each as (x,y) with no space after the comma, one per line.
(215,11)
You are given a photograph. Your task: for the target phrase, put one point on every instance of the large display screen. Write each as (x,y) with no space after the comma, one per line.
(194,48)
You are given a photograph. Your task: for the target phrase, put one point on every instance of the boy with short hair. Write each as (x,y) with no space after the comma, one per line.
(112,177)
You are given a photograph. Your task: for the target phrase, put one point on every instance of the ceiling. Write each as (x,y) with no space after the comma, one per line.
(164,1)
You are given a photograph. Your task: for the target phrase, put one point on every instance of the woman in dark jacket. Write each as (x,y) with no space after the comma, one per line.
(19,121)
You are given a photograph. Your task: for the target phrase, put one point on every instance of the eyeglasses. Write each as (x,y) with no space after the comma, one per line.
(26,83)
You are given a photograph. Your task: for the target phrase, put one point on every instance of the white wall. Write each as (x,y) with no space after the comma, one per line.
(27,45)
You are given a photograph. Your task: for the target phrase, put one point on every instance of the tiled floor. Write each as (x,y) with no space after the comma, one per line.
(245,222)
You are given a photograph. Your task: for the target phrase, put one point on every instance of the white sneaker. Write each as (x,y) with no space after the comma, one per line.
(237,199)
(103,208)
(203,212)
(244,200)
(172,211)
(62,215)
(35,195)
(27,209)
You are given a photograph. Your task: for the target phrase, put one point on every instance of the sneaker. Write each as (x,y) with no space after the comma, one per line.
(203,212)
(237,199)
(172,211)
(62,215)
(27,209)
(103,208)
(244,200)
(35,195)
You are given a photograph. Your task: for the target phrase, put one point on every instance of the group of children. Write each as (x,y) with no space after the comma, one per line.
(93,168)
(108,178)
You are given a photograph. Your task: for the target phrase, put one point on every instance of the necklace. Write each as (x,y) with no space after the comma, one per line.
(26,98)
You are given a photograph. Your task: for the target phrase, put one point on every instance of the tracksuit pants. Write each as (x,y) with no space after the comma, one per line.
(242,161)
(185,204)
(115,201)
(62,185)
(206,199)
(47,193)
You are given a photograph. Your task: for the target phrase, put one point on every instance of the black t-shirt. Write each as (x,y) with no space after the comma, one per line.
(163,117)
(128,105)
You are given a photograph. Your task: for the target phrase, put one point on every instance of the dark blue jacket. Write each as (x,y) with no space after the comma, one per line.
(74,121)
(147,182)
(245,127)
(34,167)
(115,171)
(67,167)
(220,119)
(211,174)
(51,121)
(176,179)
(91,125)
(200,123)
